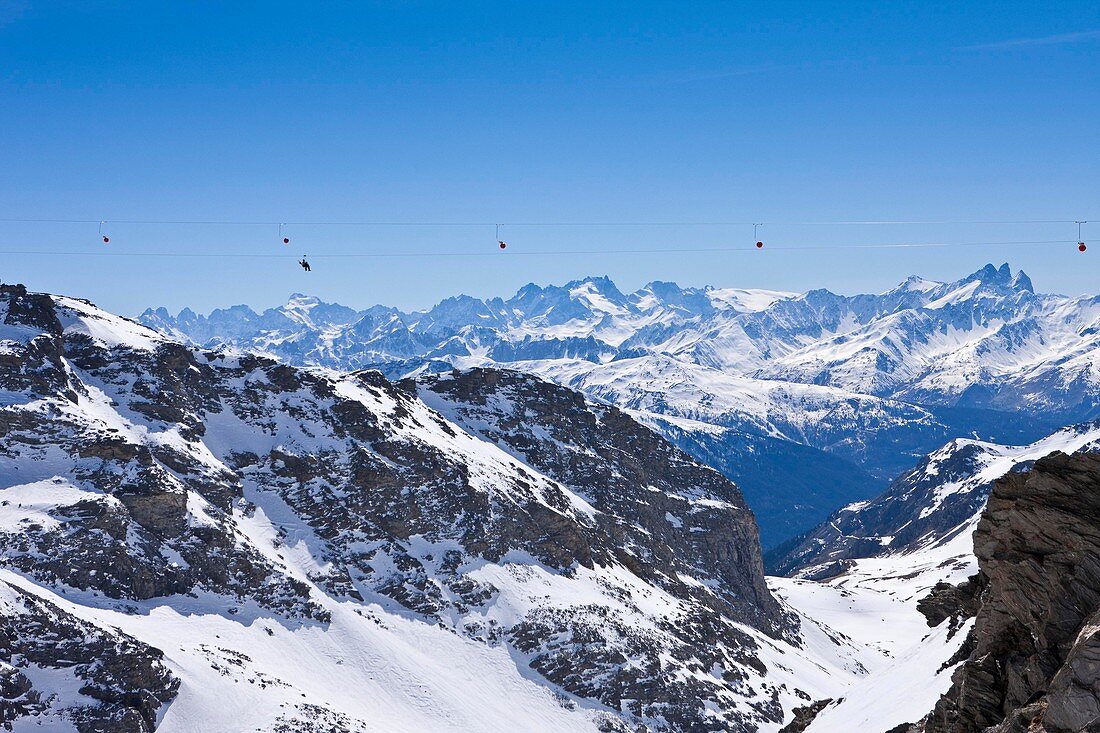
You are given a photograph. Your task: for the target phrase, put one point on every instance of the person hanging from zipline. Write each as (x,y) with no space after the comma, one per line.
(305,264)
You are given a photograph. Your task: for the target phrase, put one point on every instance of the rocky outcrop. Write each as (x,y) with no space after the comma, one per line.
(121,683)
(953,603)
(1034,660)
(690,521)
(805,715)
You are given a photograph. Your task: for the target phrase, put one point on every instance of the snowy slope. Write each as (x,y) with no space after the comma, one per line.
(303,550)
(366,670)
(875,602)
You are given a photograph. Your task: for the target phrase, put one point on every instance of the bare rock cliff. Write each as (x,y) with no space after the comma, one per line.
(1034,651)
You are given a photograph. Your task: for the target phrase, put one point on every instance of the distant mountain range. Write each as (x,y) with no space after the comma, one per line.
(858,387)
(987,340)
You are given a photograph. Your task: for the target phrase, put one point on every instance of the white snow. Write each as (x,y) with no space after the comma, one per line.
(740,299)
(380,670)
(875,605)
(31,504)
(77,316)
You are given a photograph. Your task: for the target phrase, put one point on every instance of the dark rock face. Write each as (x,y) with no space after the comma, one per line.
(687,519)
(1034,663)
(672,522)
(118,540)
(805,715)
(954,603)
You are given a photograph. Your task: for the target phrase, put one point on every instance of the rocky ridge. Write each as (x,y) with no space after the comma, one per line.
(162,486)
(938,500)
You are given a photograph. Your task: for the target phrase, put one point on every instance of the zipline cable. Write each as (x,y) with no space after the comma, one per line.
(662,250)
(866,222)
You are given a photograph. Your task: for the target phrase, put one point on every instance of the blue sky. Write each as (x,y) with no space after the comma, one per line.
(517,112)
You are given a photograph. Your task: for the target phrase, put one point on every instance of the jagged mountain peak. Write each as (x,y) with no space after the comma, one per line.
(665,287)
(600,284)
(598,293)
(1020,281)
(159,312)
(311,311)
(690,301)
(603,282)
(1000,278)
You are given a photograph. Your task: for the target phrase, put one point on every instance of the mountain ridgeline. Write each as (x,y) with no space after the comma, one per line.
(959,344)
(937,501)
(858,388)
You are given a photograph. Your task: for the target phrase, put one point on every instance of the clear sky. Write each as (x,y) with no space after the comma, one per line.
(540,112)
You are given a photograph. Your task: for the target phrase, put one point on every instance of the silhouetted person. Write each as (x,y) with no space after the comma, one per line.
(304,264)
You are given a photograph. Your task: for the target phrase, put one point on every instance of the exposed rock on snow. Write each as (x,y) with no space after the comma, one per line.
(65,673)
(481,549)
(686,522)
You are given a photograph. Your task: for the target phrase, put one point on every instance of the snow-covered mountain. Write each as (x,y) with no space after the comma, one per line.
(938,500)
(987,340)
(872,381)
(196,539)
(904,566)
(205,539)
